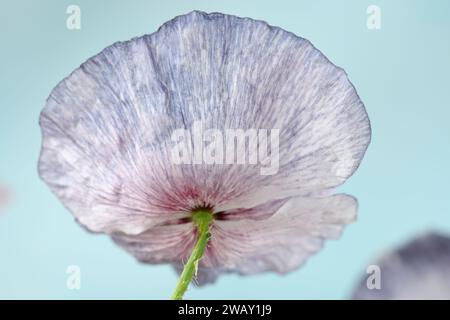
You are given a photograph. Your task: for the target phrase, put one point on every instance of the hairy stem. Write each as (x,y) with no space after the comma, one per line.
(202,219)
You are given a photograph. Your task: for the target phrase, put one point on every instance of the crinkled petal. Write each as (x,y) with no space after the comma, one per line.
(241,73)
(107,127)
(282,242)
(174,240)
(162,244)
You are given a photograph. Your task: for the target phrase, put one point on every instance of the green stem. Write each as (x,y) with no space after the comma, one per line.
(202,219)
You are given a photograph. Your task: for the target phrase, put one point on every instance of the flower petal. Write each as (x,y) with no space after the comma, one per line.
(282,242)
(231,72)
(177,237)
(161,244)
(107,127)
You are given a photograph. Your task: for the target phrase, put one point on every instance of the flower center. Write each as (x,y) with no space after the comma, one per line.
(202,217)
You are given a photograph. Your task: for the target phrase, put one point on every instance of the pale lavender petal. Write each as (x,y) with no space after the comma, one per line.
(162,244)
(241,73)
(282,242)
(174,240)
(107,127)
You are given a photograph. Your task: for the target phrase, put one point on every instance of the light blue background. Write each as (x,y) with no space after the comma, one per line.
(401,73)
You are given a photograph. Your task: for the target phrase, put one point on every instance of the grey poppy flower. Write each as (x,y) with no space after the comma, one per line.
(418,270)
(106,149)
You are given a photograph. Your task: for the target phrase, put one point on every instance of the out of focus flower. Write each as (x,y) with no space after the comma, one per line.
(419,269)
(4,197)
(107,144)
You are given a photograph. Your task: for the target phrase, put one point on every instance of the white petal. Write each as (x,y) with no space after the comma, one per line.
(282,242)
(162,244)
(174,240)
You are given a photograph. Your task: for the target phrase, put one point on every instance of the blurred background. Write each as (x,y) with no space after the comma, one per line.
(399,66)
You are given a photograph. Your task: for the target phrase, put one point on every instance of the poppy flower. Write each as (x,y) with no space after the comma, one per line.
(417,270)
(107,150)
